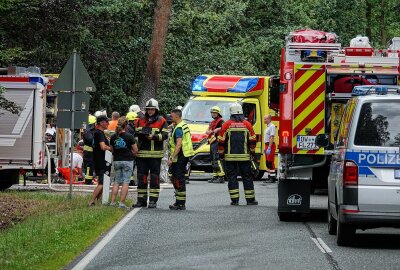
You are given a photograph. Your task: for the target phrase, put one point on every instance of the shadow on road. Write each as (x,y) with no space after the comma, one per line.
(377,241)
(316,215)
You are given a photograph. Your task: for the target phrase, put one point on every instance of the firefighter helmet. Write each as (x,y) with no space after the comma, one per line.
(152,104)
(130,116)
(92,119)
(134,108)
(236,109)
(216,109)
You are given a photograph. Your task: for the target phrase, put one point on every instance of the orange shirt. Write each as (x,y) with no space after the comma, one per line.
(112,125)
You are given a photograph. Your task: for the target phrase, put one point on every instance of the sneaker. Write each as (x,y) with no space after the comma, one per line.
(112,204)
(152,205)
(234,203)
(139,204)
(122,206)
(252,202)
(177,207)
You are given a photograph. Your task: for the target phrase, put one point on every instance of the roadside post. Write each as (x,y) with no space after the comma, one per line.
(74,85)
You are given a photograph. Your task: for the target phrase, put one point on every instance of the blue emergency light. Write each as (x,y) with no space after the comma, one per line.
(36,79)
(244,85)
(363,90)
(198,83)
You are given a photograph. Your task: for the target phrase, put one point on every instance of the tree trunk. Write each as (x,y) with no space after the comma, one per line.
(383,26)
(151,81)
(368,15)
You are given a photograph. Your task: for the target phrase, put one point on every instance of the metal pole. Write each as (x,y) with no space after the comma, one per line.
(72,123)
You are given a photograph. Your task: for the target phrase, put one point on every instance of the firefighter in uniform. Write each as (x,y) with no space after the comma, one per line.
(130,128)
(236,145)
(181,149)
(151,131)
(212,132)
(88,150)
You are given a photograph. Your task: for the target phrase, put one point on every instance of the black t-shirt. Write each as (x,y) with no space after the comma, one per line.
(122,146)
(98,154)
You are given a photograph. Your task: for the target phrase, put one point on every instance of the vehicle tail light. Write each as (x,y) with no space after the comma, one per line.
(350,173)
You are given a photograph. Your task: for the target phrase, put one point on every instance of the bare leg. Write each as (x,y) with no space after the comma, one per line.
(114,192)
(96,193)
(124,192)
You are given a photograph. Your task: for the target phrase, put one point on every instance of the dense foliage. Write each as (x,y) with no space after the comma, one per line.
(205,36)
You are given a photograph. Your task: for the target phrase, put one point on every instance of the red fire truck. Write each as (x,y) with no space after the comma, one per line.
(316,79)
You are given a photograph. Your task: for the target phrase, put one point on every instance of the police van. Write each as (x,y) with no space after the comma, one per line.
(364,177)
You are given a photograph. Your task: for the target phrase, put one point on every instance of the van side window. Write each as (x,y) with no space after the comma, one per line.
(378,124)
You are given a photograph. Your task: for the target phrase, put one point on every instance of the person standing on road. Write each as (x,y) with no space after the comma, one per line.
(236,145)
(124,150)
(114,121)
(100,145)
(132,117)
(270,147)
(151,131)
(212,132)
(181,149)
(88,164)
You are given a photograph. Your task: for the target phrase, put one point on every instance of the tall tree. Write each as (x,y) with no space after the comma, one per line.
(151,82)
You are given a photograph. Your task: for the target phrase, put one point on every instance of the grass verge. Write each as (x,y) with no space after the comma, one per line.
(54,232)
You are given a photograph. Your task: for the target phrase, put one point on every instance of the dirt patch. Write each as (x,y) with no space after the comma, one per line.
(14,210)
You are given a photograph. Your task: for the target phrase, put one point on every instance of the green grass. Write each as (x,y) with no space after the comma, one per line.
(55,233)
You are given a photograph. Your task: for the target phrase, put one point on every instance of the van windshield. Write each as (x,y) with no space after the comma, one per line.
(198,111)
(379,124)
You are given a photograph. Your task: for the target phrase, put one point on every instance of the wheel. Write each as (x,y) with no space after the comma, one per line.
(8,178)
(283,216)
(332,223)
(345,233)
(260,175)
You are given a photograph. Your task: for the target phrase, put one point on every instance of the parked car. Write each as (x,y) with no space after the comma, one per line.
(364,178)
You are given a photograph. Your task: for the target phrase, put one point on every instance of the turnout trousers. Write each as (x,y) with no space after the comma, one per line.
(232,169)
(88,166)
(218,170)
(178,178)
(144,167)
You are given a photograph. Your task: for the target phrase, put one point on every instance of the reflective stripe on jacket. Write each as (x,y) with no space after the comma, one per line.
(153,148)
(236,141)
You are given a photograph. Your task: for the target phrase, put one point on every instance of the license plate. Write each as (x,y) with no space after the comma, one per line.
(397,174)
(306,142)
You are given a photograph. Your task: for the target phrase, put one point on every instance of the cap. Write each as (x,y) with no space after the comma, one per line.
(101,118)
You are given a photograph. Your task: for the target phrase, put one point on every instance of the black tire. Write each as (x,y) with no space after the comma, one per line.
(332,223)
(283,216)
(8,178)
(345,233)
(260,175)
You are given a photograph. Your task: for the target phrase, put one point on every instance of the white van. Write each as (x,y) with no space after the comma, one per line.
(364,178)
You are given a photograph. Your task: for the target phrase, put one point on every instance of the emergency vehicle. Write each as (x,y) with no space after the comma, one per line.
(317,76)
(223,91)
(23,135)
(364,178)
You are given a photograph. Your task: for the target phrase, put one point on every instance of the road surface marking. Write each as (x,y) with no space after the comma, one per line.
(321,245)
(96,250)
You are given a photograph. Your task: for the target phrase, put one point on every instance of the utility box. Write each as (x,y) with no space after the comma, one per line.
(294,195)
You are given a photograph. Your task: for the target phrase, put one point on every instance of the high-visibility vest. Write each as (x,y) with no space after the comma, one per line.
(187,146)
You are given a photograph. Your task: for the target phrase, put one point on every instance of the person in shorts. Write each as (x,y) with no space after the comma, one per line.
(100,146)
(124,150)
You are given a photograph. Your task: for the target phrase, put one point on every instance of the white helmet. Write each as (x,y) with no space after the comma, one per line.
(236,108)
(134,108)
(152,103)
(97,114)
(179,107)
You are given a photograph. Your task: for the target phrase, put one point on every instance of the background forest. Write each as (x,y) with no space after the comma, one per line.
(205,36)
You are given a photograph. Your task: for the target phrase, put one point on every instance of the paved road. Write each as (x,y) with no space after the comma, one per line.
(211,234)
